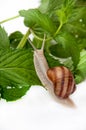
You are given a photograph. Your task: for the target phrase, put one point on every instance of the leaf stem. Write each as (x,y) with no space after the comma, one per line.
(60,26)
(6,20)
(23,40)
(39,38)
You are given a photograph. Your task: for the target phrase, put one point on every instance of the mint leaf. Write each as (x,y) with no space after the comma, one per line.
(49,6)
(58,10)
(61,16)
(59,50)
(15,38)
(34,16)
(81,68)
(82,44)
(66,11)
(81,3)
(77,24)
(4,40)
(52,62)
(13,93)
(16,67)
(66,47)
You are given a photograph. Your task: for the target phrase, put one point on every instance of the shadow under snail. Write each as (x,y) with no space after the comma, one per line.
(58,80)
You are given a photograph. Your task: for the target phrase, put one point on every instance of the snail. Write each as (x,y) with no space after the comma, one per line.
(58,80)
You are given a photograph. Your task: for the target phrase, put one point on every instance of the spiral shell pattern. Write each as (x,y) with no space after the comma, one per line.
(63,81)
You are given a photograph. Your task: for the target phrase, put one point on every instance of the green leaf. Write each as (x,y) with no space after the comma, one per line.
(16,67)
(81,3)
(48,6)
(76,26)
(75,16)
(61,16)
(63,8)
(81,68)
(82,44)
(66,47)
(34,16)
(66,11)
(37,43)
(15,38)
(4,40)
(52,62)
(13,93)
(59,50)
(77,23)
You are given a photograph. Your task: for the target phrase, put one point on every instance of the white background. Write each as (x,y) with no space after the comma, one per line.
(37,110)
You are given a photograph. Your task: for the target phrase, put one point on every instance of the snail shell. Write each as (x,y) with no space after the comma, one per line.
(63,81)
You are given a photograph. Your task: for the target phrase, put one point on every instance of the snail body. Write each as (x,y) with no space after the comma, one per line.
(58,80)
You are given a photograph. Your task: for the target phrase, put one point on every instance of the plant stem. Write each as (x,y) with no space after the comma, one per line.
(23,40)
(39,38)
(6,20)
(60,26)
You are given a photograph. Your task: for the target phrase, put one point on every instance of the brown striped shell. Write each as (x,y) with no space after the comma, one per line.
(63,81)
